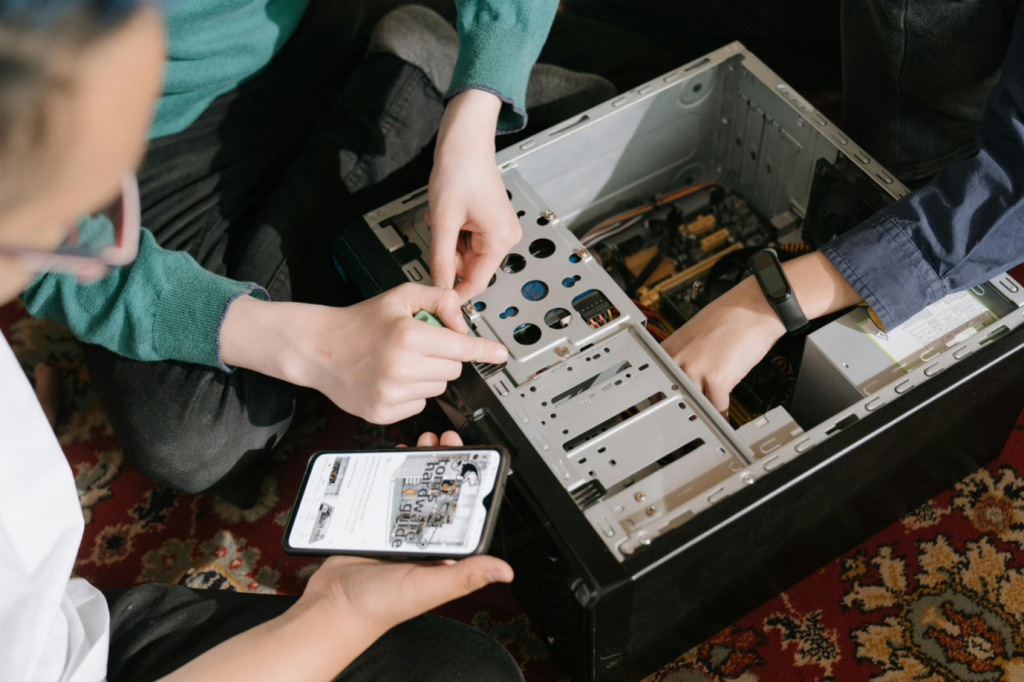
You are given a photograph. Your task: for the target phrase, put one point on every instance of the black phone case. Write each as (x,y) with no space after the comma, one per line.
(492,502)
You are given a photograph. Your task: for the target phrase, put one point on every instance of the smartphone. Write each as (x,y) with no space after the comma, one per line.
(403,503)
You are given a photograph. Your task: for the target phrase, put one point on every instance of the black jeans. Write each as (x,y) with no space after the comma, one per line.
(156,629)
(255,189)
(915,74)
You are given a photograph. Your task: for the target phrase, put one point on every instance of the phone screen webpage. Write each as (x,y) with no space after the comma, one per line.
(415,501)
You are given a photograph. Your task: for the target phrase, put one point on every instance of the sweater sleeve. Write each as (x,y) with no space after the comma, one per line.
(164,306)
(499,42)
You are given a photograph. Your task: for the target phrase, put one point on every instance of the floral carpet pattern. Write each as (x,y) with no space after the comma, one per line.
(937,596)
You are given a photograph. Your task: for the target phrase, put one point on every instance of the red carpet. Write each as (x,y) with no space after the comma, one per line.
(937,596)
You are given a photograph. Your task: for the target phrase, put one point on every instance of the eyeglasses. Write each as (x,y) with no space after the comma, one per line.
(96,242)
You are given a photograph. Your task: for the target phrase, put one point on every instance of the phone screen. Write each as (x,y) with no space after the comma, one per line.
(398,501)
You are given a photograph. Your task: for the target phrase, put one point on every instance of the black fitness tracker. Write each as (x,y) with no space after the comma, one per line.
(768,272)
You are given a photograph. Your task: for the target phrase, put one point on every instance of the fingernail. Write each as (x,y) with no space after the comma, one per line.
(501,354)
(491,578)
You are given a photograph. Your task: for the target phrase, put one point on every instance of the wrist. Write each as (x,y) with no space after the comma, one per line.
(261,336)
(763,318)
(469,124)
(329,604)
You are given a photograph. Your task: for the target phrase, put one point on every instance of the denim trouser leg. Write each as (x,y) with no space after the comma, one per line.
(916,76)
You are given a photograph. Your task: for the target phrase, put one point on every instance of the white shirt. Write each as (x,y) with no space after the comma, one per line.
(52,627)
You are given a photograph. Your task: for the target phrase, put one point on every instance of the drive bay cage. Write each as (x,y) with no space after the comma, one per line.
(639,519)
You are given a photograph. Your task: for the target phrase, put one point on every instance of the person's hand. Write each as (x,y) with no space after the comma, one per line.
(723,342)
(372,359)
(471,219)
(384,594)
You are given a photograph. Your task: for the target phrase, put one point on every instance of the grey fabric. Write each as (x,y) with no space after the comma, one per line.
(552,87)
(423,38)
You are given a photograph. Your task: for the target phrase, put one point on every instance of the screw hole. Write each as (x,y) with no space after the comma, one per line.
(534,290)
(542,248)
(557,318)
(513,263)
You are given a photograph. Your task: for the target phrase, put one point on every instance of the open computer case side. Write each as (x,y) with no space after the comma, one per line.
(614,621)
(611,619)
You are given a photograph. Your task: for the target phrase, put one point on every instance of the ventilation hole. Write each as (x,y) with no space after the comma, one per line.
(570,282)
(568,369)
(520,214)
(601,450)
(544,404)
(682,406)
(542,248)
(543,423)
(612,462)
(693,417)
(510,311)
(565,432)
(480,306)
(675,387)
(553,415)
(542,220)
(509,192)
(590,473)
(597,356)
(533,389)
(534,290)
(513,263)
(583,460)
(696,88)
(557,318)
(494,278)
(628,376)
(573,258)
(643,367)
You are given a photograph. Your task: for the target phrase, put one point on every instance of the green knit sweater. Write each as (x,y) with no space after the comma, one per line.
(165,306)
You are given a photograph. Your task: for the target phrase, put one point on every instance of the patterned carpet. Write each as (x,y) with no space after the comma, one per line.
(937,596)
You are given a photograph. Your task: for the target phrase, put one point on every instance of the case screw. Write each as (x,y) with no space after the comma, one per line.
(561,351)
(581,252)
(748,479)
(627,549)
(551,641)
(645,540)
(639,497)
(468,309)
(548,215)
(651,511)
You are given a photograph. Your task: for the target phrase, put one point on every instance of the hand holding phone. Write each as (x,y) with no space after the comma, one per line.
(422,503)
